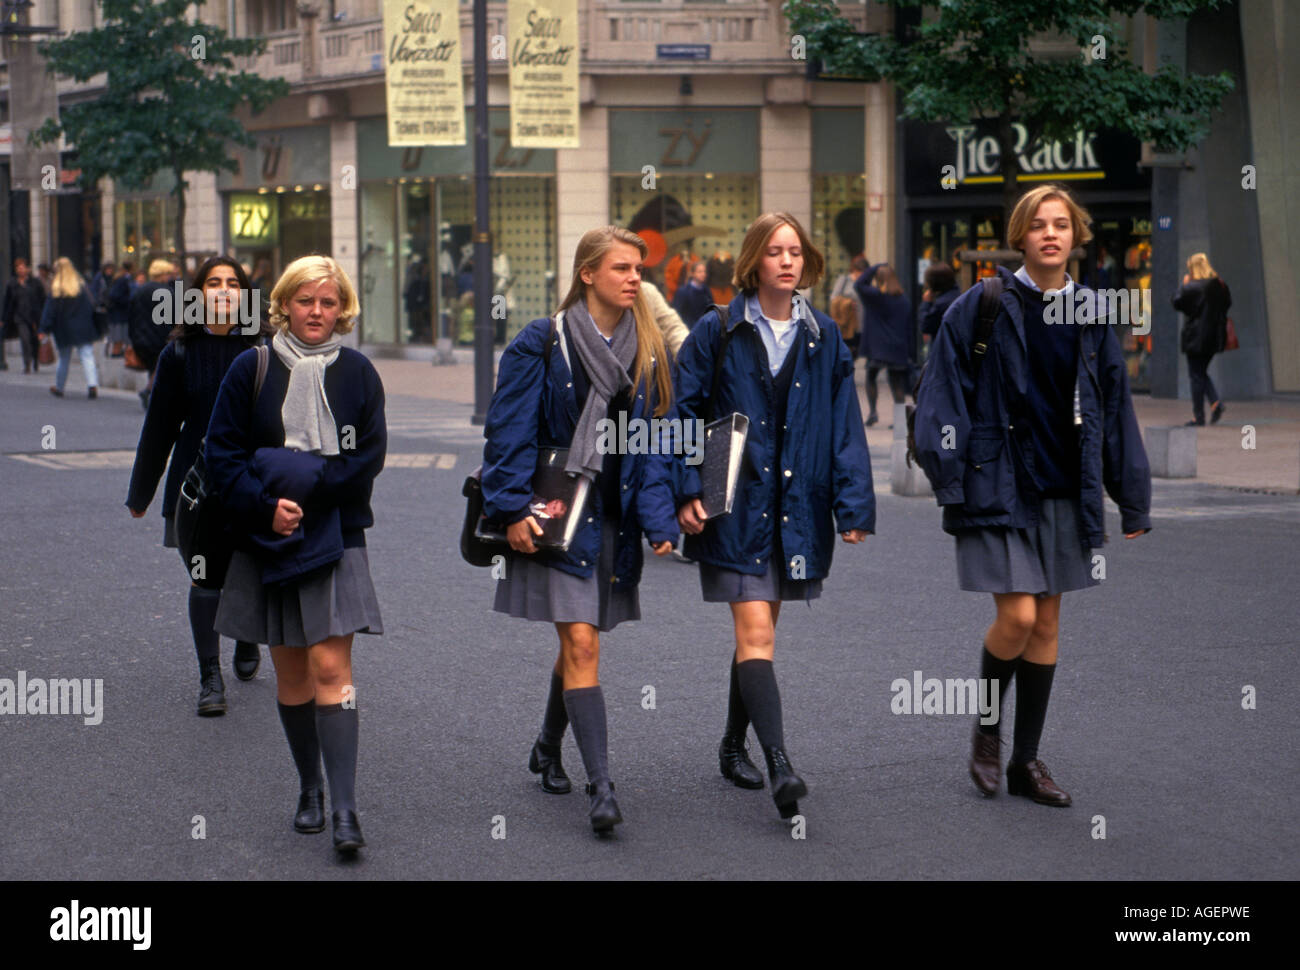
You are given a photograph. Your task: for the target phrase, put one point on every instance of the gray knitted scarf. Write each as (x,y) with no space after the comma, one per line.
(308,420)
(606,366)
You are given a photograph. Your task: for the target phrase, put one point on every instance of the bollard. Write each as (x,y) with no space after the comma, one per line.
(1171,451)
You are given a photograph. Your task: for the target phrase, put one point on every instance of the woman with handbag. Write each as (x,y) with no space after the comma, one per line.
(807,474)
(1019,429)
(70,317)
(1204,300)
(190,370)
(558,383)
(294,462)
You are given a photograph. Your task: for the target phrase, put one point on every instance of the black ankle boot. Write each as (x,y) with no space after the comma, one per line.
(347,832)
(212,690)
(787,787)
(604,809)
(735,764)
(248,657)
(545,761)
(310,818)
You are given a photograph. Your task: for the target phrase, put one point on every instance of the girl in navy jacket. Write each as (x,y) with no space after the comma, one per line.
(1018,449)
(886,339)
(294,467)
(806,474)
(558,384)
(190,370)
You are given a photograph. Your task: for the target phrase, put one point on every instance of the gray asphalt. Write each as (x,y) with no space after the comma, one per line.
(1146,726)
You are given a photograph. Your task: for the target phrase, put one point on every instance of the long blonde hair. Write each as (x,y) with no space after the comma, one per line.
(67,281)
(1199,268)
(650,347)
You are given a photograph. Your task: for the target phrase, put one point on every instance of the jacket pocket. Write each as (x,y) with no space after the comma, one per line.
(987,480)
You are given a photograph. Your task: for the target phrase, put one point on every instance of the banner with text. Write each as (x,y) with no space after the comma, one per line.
(423,81)
(543,73)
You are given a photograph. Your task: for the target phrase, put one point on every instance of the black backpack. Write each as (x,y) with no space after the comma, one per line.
(990,303)
(199,520)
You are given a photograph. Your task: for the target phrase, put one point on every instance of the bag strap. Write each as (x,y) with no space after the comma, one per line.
(550,342)
(990,303)
(263,360)
(723,317)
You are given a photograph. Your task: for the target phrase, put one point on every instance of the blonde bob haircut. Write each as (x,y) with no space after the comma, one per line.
(594,245)
(160,269)
(1027,207)
(757,237)
(67,281)
(313,269)
(1199,268)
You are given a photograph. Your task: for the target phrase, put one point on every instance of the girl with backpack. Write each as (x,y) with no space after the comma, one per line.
(559,379)
(190,369)
(1019,431)
(806,474)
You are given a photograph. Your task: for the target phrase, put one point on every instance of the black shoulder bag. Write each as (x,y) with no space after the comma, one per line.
(199,521)
(990,302)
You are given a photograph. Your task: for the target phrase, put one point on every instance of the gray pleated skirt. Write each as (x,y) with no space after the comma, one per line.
(534,591)
(1046,560)
(728,586)
(332,601)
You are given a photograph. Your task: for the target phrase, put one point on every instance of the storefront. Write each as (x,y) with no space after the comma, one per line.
(953,195)
(417,222)
(838,193)
(144,221)
(686,181)
(277,206)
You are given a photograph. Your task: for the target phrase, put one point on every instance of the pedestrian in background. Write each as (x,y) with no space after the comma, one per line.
(846,306)
(295,469)
(694,298)
(1204,300)
(886,333)
(120,291)
(603,356)
(24,301)
(941,291)
(148,337)
(70,317)
(1040,427)
(807,474)
(665,317)
(190,370)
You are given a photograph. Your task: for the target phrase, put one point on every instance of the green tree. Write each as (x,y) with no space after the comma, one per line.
(169,102)
(971,59)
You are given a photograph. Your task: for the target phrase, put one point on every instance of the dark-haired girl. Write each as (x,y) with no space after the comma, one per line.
(1019,440)
(190,370)
(806,474)
(559,381)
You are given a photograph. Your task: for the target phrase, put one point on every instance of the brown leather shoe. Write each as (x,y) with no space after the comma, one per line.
(986,762)
(1033,780)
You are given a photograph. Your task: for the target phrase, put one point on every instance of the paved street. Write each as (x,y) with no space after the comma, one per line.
(1146,725)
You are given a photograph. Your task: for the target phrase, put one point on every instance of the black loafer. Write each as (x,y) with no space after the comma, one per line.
(735,764)
(310,817)
(247,659)
(604,808)
(347,832)
(545,761)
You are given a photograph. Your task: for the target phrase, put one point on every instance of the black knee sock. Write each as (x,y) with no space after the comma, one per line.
(1033,688)
(995,670)
(336,726)
(203,614)
(757,679)
(299,722)
(737,716)
(556,718)
(586,707)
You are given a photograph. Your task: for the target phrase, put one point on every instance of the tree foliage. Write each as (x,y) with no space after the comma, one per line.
(169,103)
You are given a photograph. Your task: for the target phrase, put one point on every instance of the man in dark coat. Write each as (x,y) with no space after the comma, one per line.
(24,299)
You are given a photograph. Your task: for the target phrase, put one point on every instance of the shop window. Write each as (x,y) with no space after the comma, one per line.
(838,227)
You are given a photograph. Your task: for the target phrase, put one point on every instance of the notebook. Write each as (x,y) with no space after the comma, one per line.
(724,448)
(557,504)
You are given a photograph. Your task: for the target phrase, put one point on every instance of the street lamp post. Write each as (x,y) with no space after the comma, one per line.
(484,327)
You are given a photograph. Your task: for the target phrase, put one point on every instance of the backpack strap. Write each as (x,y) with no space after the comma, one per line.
(263,359)
(550,342)
(723,317)
(990,303)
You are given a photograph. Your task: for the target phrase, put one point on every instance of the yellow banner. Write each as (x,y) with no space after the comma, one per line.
(543,73)
(426,97)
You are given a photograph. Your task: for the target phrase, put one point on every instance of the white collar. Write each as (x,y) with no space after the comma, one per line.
(1022,274)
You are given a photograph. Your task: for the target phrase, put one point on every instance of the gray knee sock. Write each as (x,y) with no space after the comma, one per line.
(299,722)
(556,718)
(586,707)
(336,726)
(763,701)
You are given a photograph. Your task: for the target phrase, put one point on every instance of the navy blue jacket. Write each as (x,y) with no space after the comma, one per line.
(238,429)
(824,466)
(886,323)
(180,406)
(933,310)
(71,319)
(119,296)
(692,302)
(986,477)
(535,405)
